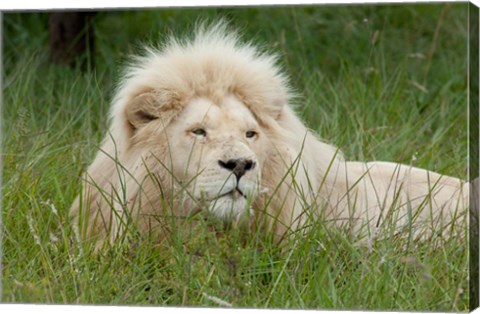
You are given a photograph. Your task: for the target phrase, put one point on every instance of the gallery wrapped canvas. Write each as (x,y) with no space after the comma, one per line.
(294,157)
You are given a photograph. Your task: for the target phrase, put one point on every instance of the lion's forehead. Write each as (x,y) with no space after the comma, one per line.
(237,110)
(230,113)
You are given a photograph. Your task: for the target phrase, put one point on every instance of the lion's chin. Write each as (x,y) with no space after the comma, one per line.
(230,207)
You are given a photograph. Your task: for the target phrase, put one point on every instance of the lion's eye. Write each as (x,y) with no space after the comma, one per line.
(250,134)
(199,131)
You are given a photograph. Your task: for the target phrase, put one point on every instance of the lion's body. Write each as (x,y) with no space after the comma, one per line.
(188,116)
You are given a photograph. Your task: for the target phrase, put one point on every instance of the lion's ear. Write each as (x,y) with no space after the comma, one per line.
(142,109)
(152,105)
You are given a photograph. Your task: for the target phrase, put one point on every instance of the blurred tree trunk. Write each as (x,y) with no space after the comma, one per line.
(72,38)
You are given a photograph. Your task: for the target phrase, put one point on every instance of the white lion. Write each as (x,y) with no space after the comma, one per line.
(206,126)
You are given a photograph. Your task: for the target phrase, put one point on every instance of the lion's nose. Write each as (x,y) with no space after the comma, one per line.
(238,166)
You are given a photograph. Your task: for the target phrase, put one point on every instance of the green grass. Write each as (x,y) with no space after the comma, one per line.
(399,95)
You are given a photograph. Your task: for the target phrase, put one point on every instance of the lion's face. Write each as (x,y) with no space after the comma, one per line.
(215,151)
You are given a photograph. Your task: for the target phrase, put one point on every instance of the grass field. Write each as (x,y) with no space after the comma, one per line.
(381,82)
